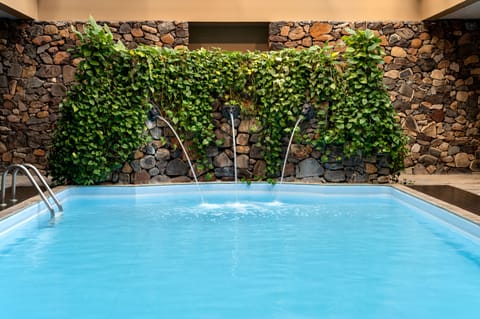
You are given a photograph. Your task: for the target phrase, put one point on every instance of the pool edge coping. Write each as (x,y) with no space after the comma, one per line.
(15,209)
(458,211)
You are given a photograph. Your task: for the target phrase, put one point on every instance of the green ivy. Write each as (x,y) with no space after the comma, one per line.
(362,120)
(103,116)
(283,81)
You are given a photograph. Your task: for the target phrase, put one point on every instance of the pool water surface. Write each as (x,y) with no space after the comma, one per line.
(238,251)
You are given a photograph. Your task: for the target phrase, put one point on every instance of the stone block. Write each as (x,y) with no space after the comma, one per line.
(124,28)
(259,169)
(319,28)
(256,152)
(370,168)
(58,89)
(165,27)
(34,83)
(437,115)
(430,130)
(398,52)
(309,168)
(437,75)
(392,74)
(41,39)
(137,32)
(475,165)
(68,73)
(242,139)
(406,90)
(296,33)
(224,171)
(177,167)
(123,178)
(162,154)
(127,169)
(461,160)
(298,151)
(61,57)
(148,162)
(416,43)
(212,151)
(242,161)
(428,159)
(141,177)
(241,149)
(405,73)
(221,160)
(335,176)
(462,96)
(154,171)
(284,31)
(472,59)
(49,71)
(167,38)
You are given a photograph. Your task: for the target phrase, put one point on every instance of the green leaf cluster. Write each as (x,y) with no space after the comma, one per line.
(362,119)
(282,82)
(103,115)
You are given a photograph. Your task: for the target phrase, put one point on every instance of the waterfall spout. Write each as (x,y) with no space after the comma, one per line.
(154,114)
(307,114)
(231,112)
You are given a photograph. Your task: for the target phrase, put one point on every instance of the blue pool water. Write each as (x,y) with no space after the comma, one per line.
(260,251)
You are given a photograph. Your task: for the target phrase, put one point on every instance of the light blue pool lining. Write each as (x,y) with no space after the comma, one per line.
(40,212)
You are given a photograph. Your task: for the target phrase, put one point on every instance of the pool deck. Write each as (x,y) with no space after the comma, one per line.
(467,182)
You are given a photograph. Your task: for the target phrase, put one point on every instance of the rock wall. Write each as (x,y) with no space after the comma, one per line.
(36,69)
(162,160)
(432,72)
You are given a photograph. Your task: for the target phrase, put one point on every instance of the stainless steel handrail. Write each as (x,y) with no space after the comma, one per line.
(15,168)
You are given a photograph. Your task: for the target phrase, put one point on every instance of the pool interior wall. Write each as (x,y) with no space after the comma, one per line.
(202,191)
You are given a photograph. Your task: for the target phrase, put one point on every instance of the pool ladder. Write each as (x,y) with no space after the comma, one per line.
(26,168)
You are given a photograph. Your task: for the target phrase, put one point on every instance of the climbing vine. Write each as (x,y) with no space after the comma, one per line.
(283,81)
(104,113)
(103,116)
(363,120)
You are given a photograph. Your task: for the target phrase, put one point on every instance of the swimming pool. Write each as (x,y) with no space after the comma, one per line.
(239,251)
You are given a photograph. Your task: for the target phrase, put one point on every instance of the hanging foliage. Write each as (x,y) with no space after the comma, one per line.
(363,120)
(103,115)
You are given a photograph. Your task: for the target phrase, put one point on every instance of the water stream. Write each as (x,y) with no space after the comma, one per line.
(288,147)
(181,145)
(234,147)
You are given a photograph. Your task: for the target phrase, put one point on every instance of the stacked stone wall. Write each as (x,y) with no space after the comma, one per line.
(162,160)
(432,72)
(36,70)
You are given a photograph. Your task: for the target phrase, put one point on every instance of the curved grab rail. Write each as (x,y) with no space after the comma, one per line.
(45,184)
(15,168)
